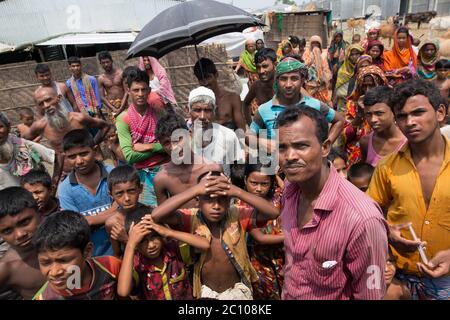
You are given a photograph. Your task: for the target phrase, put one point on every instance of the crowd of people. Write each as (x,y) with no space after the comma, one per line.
(329,181)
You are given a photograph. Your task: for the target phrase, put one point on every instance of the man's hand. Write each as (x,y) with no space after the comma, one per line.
(400,243)
(438,266)
(118,233)
(137,233)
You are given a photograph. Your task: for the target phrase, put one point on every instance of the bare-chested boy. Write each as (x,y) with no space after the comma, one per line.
(224,271)
(112,87)
(178,176)
(44,76)
(229,105)
(442,80)
(19,220)
(27,118)
(262,90)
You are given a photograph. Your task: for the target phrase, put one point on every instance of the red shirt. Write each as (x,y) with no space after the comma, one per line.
(169,283)
(341,252)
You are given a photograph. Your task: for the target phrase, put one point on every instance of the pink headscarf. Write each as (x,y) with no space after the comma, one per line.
(165,90)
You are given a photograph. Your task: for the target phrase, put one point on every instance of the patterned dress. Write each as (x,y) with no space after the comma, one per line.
(268,261)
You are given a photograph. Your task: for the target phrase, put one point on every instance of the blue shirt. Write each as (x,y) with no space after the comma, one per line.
(94,85)
(268,112)
(76,197)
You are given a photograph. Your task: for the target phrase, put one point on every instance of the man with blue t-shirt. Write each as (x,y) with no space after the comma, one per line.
(289,78)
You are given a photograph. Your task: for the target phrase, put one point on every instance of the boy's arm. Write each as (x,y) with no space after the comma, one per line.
(196,241)
(337,124)
(92,122)
(221,186)
(266,210)
(125,96)
(94,83)
(238,116)
(158,185)
(165,212)
(247,104)
(125,282)
(364,143)
(67,93)
(35,130)
(267,239)
(100,219)
(4,274)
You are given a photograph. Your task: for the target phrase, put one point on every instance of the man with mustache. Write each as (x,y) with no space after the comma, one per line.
(290,75)
(56,122)
(335,236)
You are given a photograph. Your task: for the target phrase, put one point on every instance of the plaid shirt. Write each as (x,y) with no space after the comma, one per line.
(169,283)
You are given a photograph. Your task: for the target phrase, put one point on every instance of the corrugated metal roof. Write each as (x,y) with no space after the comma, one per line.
(90,38)
(24,22)
(346,9)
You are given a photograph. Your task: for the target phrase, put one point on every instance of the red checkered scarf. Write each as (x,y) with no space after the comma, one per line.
(142,128)
(89,92)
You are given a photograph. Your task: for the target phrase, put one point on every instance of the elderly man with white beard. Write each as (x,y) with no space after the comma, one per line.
(56,121)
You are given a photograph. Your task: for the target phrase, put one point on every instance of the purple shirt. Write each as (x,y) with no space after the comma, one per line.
(341,252)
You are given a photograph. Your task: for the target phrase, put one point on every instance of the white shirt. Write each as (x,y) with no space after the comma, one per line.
(155,84)
(224,148)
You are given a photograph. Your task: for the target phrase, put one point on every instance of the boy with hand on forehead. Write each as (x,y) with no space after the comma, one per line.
(152,267)
(224,271)
(64,253)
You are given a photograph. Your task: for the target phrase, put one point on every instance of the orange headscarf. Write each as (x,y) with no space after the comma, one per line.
(396,59)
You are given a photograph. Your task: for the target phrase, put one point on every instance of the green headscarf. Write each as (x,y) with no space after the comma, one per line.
(248,59)
(289,65)
(347,70)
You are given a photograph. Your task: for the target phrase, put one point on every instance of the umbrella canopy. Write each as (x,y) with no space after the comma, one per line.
(189,23)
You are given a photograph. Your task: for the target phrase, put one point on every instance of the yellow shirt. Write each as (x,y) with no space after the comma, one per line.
(397,182)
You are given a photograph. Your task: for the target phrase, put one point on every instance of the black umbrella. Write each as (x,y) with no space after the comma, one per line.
(189,23)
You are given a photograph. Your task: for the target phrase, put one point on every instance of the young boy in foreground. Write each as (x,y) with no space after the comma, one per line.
(64,253)
(152,266)
(224,271)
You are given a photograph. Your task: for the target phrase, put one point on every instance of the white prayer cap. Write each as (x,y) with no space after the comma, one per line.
(203,95)
(201,91)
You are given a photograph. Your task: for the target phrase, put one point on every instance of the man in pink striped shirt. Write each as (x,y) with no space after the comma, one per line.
(335,236)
